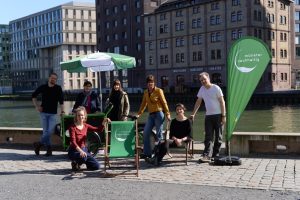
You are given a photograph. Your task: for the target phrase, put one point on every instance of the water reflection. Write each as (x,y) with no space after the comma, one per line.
(265,119)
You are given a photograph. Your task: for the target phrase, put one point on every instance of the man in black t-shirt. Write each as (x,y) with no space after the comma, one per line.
(51,95)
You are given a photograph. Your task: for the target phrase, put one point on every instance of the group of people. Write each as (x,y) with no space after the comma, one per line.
(153,99)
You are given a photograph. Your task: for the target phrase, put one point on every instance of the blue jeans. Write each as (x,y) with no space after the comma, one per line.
(48,123)
(154,119)
(90,162)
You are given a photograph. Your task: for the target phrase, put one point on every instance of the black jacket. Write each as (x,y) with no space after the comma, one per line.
(95,102)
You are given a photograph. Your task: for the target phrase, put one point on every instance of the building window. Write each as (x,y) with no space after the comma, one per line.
(150,60)
(298,51)
(150,46)
(107,11)
(164,81)
(115,9)
(150,32)
(236,2)
(239,15)
(215,6)
(273,53)
(162,16)
(161,59)
(138,19)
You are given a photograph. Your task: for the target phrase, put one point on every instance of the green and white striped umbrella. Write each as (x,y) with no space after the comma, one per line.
(99,62)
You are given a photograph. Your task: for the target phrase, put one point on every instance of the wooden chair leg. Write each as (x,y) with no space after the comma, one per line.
(186,152)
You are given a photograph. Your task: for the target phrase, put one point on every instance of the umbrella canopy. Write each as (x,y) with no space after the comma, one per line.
(99,62)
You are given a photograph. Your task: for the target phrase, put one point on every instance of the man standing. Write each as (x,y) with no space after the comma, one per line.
(51,95)
(215,116)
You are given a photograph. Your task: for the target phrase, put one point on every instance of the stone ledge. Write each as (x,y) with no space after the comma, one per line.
(245,143)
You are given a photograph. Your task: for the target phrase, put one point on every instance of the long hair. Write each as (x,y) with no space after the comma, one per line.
(77,110)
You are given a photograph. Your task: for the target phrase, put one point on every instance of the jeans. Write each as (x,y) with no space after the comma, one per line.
(213,130)
(91,162)
(154,119)
(48,123)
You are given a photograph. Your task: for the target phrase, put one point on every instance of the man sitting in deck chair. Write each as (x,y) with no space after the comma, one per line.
(180,128)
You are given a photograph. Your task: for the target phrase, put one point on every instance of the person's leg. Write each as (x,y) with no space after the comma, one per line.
(49,121)
(159,124)
(74,156)
(147,134)
(44,122)
(37,145)
(208,136)
(218,129)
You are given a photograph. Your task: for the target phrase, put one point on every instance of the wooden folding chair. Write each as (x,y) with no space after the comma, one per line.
(188,145)
(122,142)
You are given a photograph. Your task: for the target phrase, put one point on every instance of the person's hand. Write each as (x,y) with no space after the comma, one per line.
(62,113)
(39,108)
(223,120)
(168,117)
(82,154)
(105,121)
(192,117)
(137,116)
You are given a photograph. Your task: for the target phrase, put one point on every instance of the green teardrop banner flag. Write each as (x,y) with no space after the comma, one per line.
(247,60)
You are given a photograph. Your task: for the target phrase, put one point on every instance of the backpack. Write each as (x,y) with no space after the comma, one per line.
(226,160)
(159,151)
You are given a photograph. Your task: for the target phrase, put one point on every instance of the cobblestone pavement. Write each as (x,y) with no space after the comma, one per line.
(257,173)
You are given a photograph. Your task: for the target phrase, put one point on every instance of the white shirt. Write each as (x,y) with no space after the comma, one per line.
(211,98)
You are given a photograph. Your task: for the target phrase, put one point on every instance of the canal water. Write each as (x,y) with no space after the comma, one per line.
(254,119)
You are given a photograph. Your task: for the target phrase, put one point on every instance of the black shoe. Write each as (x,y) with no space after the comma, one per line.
(143,156)
(75,166)
(37,146)
(49,151)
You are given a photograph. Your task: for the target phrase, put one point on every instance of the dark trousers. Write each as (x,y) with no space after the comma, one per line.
(90,162)
(213,135)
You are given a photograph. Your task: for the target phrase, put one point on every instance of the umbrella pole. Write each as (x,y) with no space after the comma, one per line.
(99,88)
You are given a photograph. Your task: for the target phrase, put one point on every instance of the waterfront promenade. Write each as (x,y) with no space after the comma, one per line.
(265,173)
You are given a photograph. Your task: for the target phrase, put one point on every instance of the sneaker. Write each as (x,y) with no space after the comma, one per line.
(75,166)
(204,159)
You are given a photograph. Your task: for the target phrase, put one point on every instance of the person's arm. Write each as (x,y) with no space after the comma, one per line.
(98,103)
(223,109)
(37,106)
(61,101)
(73,142)
(126,107)
(196,107)
(100,128)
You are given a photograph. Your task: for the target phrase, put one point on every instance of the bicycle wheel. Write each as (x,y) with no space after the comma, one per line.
(93,143)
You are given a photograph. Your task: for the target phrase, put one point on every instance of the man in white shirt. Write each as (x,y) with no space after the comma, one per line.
(215,116)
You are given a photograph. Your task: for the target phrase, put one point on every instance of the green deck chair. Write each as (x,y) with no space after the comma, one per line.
(122,142)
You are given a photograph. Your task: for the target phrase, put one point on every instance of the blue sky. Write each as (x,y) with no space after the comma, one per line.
(14,9)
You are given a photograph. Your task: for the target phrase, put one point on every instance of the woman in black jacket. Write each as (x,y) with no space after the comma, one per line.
(88,98)
(119,99)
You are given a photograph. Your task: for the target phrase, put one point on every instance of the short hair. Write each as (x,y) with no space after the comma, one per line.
(150,78)
(77,110)
(180,105)
(86,83)
(53,73)
(204,74)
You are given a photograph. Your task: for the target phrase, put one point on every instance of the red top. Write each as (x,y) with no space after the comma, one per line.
(78,137)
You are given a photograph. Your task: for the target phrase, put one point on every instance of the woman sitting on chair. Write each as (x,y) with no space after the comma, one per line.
(180,128)
(78,151)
